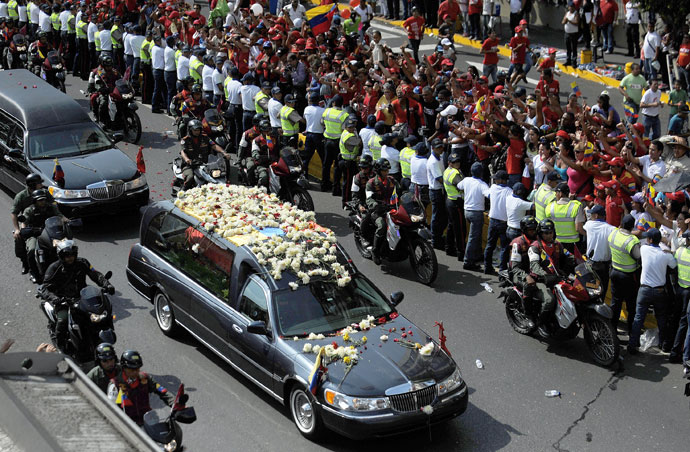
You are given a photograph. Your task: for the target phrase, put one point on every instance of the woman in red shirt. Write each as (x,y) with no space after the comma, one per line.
(684,61)
(414,26)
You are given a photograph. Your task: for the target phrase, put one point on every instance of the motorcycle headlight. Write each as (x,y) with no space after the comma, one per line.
(451,383)
(218,128)
(59,193)
(417,218)
(56,242)
(216,173)
(95,318)
(127,96)
(135,183)
(57,67)
(21,49)
(594,292)
(347,403)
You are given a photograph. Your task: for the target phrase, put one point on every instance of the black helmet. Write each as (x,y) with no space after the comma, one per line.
(265,125)
(40,194)
(563,189)
(196,88)
(66,248)
(131,359)
(188,80)
(382,164)
(105,351)
(527,223)
(33,179)
(366,161)
(194,124)
(256,120)
(42,34)
(546,226)
(106,60)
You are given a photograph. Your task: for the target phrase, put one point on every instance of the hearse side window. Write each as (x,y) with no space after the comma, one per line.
(253,302)
(190,251)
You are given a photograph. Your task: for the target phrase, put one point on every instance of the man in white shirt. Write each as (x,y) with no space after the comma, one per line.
(419,177)
(476,190)
(314,130)
(158,66)
(295,11)
(207,78)
(218,79)
(516,209)
(649,107)
(366,12)
(4,11)
(651,47)
(182,66)
(499,192)
(274,105)
(652,164)
(44,18)
(632,27)
(127,43)
(106,42)
(34,12)
(655,263)
(366,133)
(597,231)
(390,153)
(169,71)
(247,93)
(434,174)
(136,40)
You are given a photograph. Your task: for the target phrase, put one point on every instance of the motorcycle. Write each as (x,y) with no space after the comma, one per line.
(168,432)
(407,237)
(15,56)
(122,111)
(285,180)
(579,304)
(54,231)
(90,321)
(53,70)
(214,127)
(214,171)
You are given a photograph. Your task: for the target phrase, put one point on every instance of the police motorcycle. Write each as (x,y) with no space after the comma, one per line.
(214,126)
(579,305)
(15,54)
(168,432)
(53,70)
(54,231)
(122,111)
(90,320)
(407,237)
(213,171)
(285,179)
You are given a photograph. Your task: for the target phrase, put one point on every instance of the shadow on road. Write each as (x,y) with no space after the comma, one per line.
(110,229)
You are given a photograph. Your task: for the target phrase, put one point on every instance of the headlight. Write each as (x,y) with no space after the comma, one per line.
(594,292)
(95,318)
(135,183)
(57,67)
(217,128)
(347,403)
(451,383)
(127,96)
(56,242)
(59,193)
(216,173)
(417,218)
(21,49)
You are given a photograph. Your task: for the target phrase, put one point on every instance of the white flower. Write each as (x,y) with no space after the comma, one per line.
(384,338)
(364,325)
(315,349)
(428,409)
(293,285)
(307,348)
(342,352)
(195,248)
(295,338)
(320,336)
(330,351)
(427,349)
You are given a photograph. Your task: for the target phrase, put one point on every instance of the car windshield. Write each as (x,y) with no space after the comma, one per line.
(323,307)
(75,139)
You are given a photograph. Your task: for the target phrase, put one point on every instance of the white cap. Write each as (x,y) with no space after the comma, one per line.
(445,42)
(450,110)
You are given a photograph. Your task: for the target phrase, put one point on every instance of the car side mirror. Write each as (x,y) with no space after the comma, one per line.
(117,136)
(258,327)
(16,154)
(396,298)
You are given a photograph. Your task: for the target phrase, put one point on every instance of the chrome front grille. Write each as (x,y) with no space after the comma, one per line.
(414,400)
(108,189)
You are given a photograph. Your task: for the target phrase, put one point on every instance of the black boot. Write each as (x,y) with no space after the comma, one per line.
(25,266)
(376,252)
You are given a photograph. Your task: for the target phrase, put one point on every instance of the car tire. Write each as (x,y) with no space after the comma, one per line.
(164,314)
(304,414)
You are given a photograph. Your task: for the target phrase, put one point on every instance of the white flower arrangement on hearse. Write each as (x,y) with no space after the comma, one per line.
(304,248)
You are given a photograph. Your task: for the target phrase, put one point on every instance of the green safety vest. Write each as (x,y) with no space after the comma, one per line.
(289,128)
(344,151)
(621,246)
(261,95)
(70,24)
(334,119)
(178,52)
(145,53)
(225,87)
(543,198)
(563,217)
(115,42)
(405,158)
(97,40)
(451,189)
(683,258)
(195,69)
(28,11)
(81,29)
(55,21)
(375,146)
(12,9)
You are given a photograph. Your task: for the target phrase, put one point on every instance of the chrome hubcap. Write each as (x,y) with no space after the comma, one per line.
(303,411)
(163,312)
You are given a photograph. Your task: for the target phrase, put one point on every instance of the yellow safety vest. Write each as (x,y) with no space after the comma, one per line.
(621,246)
(375,146)
(115,42)
(261,95)
(683,258)
(563,217)
(145,53)
(451,189)
(70,24)
(406,155)
(12,9)
(28,11)
(225,87)
(81,29)
(55,21)
(97,40)
(178,52)
(289,128)
(544,196)
(344,151)
(195,71)
(334,119)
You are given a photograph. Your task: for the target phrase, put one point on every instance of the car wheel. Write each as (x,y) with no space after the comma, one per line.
(304,414)
(164,314)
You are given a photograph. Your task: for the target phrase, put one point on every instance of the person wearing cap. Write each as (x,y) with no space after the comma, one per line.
(678,122)
(136,40)
(159,95)
(350,147)
(117,44)
(568,217)
(232,86)
(490,51)
(627,184)
(434,176)
(678,160)
(146,69)
(405,158)
(518,49)
(169,72)
(273,106)
(207,77)
(655,264)
(548,84)
(598,232)
(456,232)
(44,18)
(475,192)
(650,104)
(196,63)
(127,45)
(632,87)
(516,209)
(248,93)
(262,97)
(182,68)
(624,275)
(333,120)
(391,153)
(313,140)
(419,182)
(289,121)
(367,132)
(81,64)
(680,350)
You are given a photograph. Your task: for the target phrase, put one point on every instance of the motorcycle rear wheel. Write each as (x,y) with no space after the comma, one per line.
(132,127)
(302,199)
(601,339)
(518,320)
(423,261)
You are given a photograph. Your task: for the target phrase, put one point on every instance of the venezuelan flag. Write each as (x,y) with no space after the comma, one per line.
(58,174)
(316,372)
(320,17)
(576,89)
(394,196)
(481,108)
(629,111)
(589,152)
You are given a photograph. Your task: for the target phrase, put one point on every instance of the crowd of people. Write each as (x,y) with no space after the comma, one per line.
(384,121)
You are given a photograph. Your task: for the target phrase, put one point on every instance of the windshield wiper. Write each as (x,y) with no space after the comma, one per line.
(92,151)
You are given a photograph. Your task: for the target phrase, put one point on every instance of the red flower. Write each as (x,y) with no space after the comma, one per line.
(334,344)
(409,332)
(381,320)
(404,335)
(395,340)
(393,315)
(402,329)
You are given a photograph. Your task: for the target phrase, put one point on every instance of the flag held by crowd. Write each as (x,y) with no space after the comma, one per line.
(482,108)
(576,89)
(629,111)
(320,18)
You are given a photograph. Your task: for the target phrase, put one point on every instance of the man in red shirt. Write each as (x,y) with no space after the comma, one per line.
(490,51)
(548,63)
(684,61)
(609,14)
(614,204)
(514,159)
(450,8)
(626,182)
(474,12)
(414,26)
(407,110)
(518,46)
(548,85)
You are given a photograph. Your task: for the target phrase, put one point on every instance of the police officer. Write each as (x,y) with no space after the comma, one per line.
(81,60)
(455,234)
(147,70)
(547,258)
(35,216)
(568,217)
(22,200)
(63,281)
(289,121)
(333,120)
(680,352)
(106,368)
(625,265)
(374,143)
(598,250)
(262,97)
(130,388)
(545,194)
(116,33)
(313,140)
(519,264)
(379,190)
(196,147)
(350,148)
(405,159)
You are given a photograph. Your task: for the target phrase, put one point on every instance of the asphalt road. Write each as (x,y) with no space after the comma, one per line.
(639,407)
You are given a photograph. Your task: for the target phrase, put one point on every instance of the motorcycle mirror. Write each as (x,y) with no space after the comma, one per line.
(21,218)
(117,137)
(396,298)
(186,416)
(108,274)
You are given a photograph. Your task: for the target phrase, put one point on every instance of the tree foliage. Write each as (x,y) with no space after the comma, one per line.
(672,12)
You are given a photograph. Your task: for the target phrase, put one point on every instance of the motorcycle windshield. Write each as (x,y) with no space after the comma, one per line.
(53,58)
(55,228)
(123,86)
(586,276)
(212,117)
(91,300)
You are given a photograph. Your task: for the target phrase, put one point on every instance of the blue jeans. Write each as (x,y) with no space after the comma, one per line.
(474,240)
(645,297)
(497,231)
(490,70)
(649,70)
(607,33)
(682,341)
(439,217)
(652,126)
(528,62)
(159,90)
(171,84)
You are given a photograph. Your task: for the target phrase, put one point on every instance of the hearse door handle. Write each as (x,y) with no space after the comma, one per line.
(237,328)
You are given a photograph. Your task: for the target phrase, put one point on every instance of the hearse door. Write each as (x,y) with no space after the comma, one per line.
(13,159)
